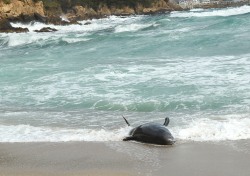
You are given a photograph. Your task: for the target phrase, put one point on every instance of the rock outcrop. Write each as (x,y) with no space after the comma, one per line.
(6,27)
(46,29)
(22,10)
(51,11)
(66,12)
(104,8)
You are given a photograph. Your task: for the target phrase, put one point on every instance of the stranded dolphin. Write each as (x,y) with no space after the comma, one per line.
(153,133)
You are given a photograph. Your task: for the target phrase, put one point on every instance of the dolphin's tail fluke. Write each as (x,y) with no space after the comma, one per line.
(126,121)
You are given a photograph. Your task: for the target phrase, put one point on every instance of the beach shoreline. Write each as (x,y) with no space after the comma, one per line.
(125,158)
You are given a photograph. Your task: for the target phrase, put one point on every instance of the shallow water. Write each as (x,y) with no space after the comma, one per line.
(75,84)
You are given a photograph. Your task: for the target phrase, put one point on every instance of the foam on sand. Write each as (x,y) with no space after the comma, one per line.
(198,130)
(27,133)
(214,130)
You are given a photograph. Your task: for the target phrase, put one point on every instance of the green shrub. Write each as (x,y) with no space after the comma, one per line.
(112,3)
(51,3)
(6,1)
(95,3)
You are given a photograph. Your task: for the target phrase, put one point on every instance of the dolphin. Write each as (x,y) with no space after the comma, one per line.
(153,133)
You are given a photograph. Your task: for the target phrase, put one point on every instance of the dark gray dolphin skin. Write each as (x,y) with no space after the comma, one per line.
(153,133)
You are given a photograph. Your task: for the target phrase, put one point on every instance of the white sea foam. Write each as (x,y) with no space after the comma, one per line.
(33,26)
(198,130)
(196,10)
(130,27)
(64,18)
(95,24)
(27,133)
(74,40)
(75,33)
(214,12)
(18,39)
(214,130)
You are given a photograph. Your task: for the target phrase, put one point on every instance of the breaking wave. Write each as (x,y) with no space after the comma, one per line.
(210,13)
(214,130)
(131,27)
(198,130)
(27,133)
(74,82)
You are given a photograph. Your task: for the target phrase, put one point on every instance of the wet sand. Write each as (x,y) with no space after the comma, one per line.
(229,158)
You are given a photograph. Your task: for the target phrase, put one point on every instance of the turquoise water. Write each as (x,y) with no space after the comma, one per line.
(75,84)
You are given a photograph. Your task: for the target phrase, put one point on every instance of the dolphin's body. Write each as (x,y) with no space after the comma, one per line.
(153,133)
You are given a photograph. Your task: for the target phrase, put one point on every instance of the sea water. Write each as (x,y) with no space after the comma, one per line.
(75,84)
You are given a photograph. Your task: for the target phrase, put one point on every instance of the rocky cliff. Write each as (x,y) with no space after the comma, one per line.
(23,9)
(75,10)
(65,12)
(50,11)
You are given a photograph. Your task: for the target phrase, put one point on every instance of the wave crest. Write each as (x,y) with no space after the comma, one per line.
(198,130)
(27,133)
(210,13)
(214,130)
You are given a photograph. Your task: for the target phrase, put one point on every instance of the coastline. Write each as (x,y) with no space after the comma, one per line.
(125,158)
(71,12)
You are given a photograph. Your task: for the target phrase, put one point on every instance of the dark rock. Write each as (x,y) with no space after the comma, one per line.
(56,20)
(23,18)
(40,18)
(5,24)
(87,23)
(27,18)
(20,30)
(46,29)
(157,12)
(6,27)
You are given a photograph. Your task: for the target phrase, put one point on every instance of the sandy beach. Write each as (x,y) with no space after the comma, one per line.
(229,158)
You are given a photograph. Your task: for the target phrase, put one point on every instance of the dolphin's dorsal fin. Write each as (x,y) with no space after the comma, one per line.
(126,121)
(166,121)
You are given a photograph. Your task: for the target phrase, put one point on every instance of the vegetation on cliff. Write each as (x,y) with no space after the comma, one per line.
(65,4)
(6,1)
(87,9)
